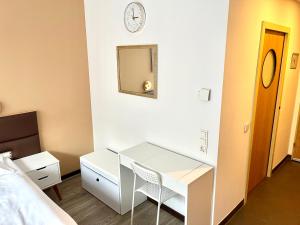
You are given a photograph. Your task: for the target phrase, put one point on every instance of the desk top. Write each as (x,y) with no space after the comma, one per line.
(169,164)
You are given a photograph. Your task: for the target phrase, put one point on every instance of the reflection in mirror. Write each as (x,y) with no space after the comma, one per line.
(137,70)
(269,67)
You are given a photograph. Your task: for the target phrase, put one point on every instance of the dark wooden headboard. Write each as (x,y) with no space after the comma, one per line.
(20,135)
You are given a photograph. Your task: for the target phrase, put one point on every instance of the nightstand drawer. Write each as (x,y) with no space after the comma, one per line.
(45,176)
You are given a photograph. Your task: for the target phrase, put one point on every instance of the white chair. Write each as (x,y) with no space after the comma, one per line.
(151,187)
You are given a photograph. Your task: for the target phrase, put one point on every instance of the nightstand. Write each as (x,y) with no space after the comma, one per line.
(43,169)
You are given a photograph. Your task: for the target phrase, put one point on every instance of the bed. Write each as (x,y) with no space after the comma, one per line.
(22,202)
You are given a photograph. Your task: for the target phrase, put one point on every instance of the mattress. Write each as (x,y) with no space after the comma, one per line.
(22,202)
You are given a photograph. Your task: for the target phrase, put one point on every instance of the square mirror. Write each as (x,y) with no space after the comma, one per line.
(137,70)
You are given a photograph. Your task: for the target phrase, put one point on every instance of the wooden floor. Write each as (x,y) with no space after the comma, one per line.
(85,209)
(275,201)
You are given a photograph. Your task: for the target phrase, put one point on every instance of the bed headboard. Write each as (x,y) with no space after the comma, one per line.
(20,135)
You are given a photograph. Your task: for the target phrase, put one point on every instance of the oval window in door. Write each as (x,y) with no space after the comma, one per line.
(269,68)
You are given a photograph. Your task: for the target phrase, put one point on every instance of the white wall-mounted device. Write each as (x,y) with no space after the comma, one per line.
(204,94)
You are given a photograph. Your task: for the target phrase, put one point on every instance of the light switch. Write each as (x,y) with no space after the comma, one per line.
(246,127)
(204,94)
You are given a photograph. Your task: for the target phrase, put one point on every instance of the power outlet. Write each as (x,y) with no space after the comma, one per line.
(204,141)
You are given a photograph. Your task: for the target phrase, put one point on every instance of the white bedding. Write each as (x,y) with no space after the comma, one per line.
(23,203)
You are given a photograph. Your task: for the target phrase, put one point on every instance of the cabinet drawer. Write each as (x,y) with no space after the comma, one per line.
(46,176)
(102,188)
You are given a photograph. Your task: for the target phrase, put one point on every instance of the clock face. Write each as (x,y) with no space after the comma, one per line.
(134,17)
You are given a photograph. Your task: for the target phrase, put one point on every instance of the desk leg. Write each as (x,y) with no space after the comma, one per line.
(55,188)
(198,203)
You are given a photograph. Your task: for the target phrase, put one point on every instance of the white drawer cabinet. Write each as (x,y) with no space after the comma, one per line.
(102,188)
(45,176)
(43,169)
(100,177)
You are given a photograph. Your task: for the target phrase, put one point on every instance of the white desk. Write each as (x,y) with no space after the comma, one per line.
(191,179)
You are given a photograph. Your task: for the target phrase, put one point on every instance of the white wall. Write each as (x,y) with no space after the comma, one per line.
(295,116)
(191,38)
(244,29)
(44,67)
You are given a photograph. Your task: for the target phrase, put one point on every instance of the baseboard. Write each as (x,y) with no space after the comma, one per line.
(68,175)
(230,215)
(168,209)
(287,158)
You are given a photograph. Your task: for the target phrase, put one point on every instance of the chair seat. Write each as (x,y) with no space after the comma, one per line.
(152,191)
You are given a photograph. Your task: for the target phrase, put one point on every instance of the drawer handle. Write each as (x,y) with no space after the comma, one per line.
(97,179)
(42,178)
(42,168)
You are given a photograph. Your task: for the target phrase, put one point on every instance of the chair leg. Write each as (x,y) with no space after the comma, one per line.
(132,204)
(158,205)
(158,211)
(132,210)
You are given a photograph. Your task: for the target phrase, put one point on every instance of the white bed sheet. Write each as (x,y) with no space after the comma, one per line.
(23,203)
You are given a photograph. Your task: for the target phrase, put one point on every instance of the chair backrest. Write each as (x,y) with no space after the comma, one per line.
(146,173)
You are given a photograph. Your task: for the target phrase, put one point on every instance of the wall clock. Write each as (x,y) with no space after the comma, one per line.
(134,17)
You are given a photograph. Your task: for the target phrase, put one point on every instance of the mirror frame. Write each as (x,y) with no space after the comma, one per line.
(154,68)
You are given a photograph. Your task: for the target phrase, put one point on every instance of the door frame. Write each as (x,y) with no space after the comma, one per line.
(295,135)
(286,30)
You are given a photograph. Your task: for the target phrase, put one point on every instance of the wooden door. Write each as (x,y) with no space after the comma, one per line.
(267,91)
(296,150)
